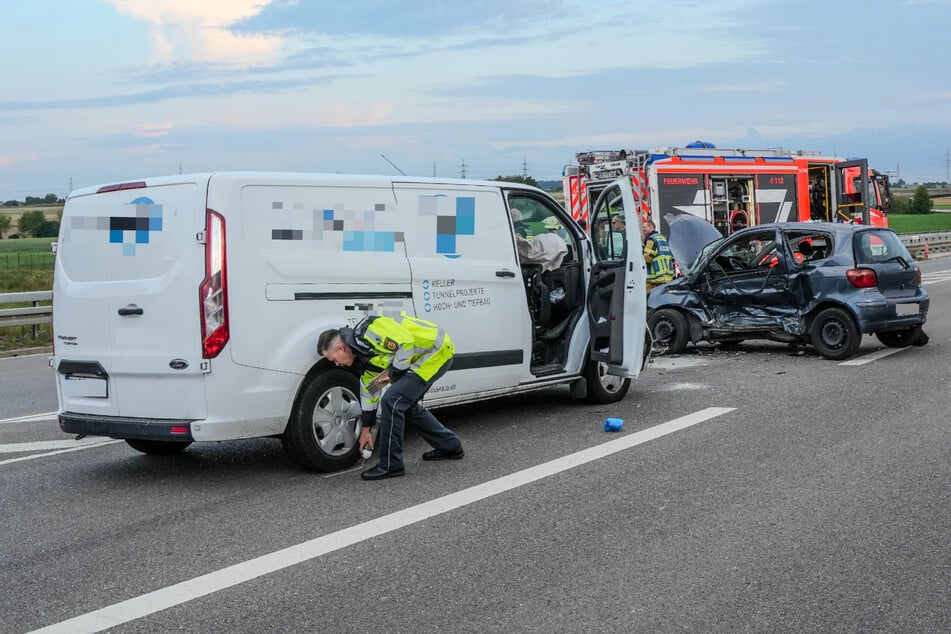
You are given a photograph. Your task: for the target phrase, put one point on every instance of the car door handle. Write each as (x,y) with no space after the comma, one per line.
(504,273)
(131,309)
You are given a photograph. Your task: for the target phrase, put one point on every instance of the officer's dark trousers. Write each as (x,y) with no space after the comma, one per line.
(400,406)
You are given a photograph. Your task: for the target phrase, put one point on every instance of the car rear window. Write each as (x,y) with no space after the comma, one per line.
(873,247)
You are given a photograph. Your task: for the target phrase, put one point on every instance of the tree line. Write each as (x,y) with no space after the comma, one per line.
(49,199)
(32,224)
(919,203)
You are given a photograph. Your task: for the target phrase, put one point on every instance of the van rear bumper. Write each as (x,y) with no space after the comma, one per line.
(122,428)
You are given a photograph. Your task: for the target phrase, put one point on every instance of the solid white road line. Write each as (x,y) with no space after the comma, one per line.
(48,445)
(874,356)
(91,445)
(32,418)
(179,593)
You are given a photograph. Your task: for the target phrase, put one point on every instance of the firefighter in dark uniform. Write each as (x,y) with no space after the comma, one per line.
(409,354)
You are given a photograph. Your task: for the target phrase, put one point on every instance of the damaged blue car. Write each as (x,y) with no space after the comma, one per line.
(821,284)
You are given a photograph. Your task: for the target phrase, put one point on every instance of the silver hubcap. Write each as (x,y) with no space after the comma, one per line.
(336,421)
(610,382)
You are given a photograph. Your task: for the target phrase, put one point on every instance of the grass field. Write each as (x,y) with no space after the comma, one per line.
(915,223)
(26,253)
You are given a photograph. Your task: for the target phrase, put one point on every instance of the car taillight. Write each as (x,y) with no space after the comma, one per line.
(862,278)
(213,292)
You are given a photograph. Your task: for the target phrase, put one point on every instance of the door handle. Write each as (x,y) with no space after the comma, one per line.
(504,274)
(131,309)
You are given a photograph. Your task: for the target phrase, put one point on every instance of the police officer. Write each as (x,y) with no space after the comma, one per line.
(657,255)
(409,354)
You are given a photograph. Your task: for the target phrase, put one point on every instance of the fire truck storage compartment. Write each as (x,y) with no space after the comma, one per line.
(732,203)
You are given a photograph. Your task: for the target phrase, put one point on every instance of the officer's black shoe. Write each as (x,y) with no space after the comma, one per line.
(439,454)
(379,473)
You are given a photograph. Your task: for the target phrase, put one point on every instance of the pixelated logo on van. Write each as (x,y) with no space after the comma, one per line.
(136,222)
(450,223)
(355,229)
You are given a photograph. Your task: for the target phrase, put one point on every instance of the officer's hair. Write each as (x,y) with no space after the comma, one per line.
(326,339)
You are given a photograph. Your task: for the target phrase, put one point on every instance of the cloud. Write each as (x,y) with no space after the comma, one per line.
(150,130)
(745,87)
(200,31)
(7,161)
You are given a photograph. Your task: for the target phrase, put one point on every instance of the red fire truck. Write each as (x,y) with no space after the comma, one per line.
(733,188)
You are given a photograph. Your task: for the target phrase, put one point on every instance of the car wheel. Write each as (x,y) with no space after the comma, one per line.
(669,330)
(604,387)
(324,429)
(899,338)
(834,334)
(157,447)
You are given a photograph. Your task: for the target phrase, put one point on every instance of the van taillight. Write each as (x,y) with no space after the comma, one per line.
(213,292)
(862,278)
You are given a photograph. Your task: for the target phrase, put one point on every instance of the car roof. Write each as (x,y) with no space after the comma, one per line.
(833,227)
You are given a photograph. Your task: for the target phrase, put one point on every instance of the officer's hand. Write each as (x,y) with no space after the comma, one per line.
(366,439)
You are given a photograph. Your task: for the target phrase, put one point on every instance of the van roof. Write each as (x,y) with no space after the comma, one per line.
(293,178)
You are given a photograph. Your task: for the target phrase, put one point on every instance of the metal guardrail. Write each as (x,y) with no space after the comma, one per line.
(27,315)
(927,245)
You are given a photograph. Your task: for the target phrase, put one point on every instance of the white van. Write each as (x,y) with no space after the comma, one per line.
(187,308)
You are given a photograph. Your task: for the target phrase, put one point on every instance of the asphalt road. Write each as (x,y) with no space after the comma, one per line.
(816,499)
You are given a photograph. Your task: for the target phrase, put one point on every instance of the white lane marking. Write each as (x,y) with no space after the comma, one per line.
(874,356)
(56,453)
(935,277)
(676,362)
(684,386)
(32,418)
(48,445)
(179,593)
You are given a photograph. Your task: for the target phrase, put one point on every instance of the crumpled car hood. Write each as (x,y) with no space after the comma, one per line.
(687,235)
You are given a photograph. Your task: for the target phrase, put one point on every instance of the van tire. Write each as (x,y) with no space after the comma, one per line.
(604,387)
(324,429)
(157,447)
(834,334)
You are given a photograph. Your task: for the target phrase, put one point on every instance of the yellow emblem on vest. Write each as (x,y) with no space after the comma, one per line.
(390,345)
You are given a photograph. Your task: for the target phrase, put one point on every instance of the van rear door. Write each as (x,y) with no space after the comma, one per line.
(617,298)
(126,308)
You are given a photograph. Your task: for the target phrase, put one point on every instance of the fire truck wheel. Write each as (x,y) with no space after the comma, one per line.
(834,334)
(899,338)
(669,330)
(604,387)
(157,447)
(323,432)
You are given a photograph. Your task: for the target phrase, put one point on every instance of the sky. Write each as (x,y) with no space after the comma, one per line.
(102,91)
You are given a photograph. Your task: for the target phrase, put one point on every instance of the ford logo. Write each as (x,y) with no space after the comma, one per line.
(178,364)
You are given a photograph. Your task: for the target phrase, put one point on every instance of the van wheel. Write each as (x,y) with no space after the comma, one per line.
(834,334)
(157,447)
(324,429)
(604,387)
(668,330)
(899,338)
